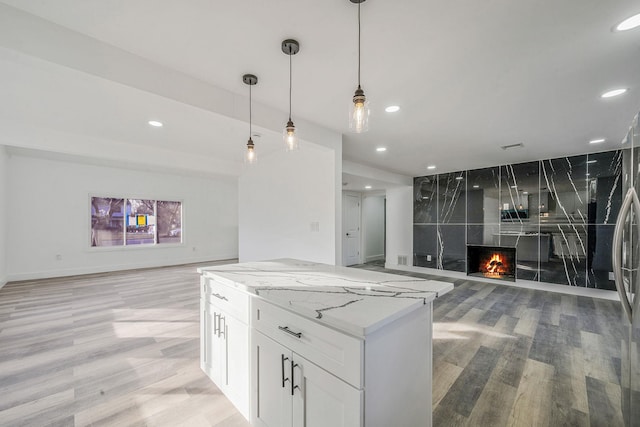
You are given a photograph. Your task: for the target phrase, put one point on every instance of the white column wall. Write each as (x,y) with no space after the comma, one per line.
(50,216)
(4,203)
(373,227)
(399,225)
(287,206)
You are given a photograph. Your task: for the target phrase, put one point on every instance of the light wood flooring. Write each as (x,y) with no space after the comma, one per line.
(122,349)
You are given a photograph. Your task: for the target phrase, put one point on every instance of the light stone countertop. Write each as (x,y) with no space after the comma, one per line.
(353,300)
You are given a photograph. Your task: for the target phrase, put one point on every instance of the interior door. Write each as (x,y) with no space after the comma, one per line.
(321,399)
(272,384)
(351,229)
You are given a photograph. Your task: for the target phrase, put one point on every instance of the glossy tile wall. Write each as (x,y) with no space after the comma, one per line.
(558,213)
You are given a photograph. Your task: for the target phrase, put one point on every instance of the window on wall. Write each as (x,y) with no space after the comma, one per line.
(121,221)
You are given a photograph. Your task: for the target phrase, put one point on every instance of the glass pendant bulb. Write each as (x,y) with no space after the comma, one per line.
(250,157)
(290,137)
(359,114)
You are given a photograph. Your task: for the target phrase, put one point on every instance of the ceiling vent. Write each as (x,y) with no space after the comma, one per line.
(506,147)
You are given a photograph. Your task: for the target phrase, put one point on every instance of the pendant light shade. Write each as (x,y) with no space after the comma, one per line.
(250,155)
(290,47)
(359,108)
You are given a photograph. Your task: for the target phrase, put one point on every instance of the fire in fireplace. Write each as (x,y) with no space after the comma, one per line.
(493,262)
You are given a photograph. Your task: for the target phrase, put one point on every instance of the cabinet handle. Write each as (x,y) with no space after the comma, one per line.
(222,297)
(290,332)
(282,359)
(216,326)
(221,319)
(293,386)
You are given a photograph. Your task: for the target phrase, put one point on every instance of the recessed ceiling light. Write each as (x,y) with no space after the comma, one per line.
(629,23)
(614,92)
(476,186)
(596,141)
(591,161)
(431,167)
(381,149)
(367,187)
(155,123)
(392,109)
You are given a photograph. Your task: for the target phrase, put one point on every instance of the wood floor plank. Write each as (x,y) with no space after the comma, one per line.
(533,397)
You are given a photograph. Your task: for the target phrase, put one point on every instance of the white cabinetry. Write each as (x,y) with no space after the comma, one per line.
(307,374)
(225,341)
(289,390)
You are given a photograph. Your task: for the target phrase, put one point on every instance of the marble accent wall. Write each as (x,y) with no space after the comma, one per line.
(558,213)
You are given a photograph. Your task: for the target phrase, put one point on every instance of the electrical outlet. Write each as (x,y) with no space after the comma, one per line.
(428,257)
(611,276)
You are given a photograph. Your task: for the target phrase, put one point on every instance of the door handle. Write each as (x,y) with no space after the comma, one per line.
(630,202)
(282,360)
(293,386)
(221,319)
(216,324)
(290,332)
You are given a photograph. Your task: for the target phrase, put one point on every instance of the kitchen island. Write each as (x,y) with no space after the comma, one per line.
(295,343)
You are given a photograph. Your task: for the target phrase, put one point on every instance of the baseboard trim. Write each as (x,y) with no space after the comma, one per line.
(528,284)
(3,281)
(47,274)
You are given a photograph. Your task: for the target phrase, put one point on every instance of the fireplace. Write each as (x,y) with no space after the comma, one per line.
(492,262)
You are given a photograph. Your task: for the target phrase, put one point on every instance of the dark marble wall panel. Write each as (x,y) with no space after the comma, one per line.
(567,262)
(599,265)
(517,183)
(425,245)
(483,234)
(483,196)
(452,247)
(566,181)
(452,198)
(605,186)
(425,204)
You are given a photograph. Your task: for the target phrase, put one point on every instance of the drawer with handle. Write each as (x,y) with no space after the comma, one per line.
(330,349)
(233,301)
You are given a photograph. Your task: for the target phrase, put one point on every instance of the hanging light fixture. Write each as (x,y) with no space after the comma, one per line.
(290,47)
(359,111)
(250,156)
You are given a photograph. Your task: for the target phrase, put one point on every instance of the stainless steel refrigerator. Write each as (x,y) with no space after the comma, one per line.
(626,266)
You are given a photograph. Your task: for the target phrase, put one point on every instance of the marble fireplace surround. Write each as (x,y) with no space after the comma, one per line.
(559,214)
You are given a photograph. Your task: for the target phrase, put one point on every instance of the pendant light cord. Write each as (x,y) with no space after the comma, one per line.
(250,131)
(290,83)
(358,44)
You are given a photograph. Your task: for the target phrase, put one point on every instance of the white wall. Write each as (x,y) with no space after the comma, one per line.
(50,215)
(3,214)
(399,225)
(373,223)
(281,198)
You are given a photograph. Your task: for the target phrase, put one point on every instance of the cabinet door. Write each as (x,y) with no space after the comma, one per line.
(321,400)
(217,360)
(208,340)
(271,384)
(236,339)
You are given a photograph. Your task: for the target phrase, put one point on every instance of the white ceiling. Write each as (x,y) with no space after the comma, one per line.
(469,76)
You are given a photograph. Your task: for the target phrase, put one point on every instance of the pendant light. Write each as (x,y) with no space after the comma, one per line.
(359,111)
(290,47)
(250,156)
